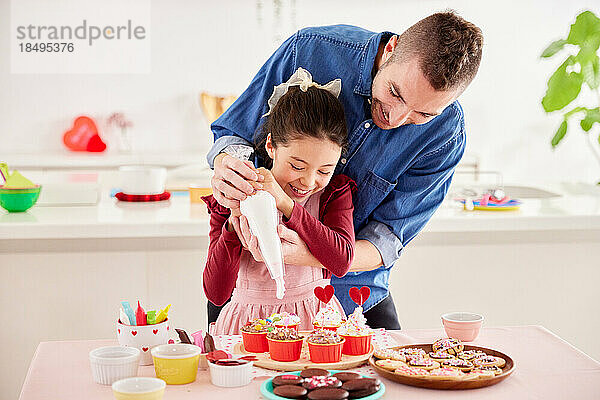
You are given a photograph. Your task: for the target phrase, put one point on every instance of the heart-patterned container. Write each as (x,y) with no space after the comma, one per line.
(143,337)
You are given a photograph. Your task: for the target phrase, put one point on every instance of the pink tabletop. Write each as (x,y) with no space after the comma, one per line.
(547,367)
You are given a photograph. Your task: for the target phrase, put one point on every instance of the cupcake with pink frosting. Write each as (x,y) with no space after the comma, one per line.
(357,334)
(285,320)
(328,318)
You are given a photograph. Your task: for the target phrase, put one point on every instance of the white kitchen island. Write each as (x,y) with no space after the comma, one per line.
(539,265)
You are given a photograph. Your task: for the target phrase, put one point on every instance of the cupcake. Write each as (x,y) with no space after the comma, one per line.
(328,318)
(325,346)
(285,320)
(357,334)
(254,335)
(285,344)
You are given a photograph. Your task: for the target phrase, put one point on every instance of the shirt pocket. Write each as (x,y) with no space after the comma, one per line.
(371,193)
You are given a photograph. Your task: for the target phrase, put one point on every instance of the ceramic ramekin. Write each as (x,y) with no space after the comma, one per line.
(176,364)
(112,363)
(141,388)
(230,375)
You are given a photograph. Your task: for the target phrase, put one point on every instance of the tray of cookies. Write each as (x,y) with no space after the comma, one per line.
(445,364)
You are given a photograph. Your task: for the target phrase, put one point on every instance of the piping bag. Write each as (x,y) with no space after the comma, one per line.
(261,211)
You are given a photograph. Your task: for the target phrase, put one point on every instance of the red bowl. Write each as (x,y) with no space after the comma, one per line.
(255,342)
(325,353)
(285,350)
(357,345)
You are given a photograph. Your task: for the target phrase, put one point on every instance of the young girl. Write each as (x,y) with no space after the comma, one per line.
(300,143)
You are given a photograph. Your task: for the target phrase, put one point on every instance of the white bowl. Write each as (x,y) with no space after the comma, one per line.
(142,180)
(112,363)
(142,388)
(230,375)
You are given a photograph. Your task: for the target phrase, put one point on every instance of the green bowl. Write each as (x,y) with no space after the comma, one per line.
(18,200)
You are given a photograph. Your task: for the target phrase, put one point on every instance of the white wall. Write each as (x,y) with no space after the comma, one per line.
(218,46)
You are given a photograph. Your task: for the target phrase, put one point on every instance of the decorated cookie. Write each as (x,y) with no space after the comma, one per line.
(446,373)
(390,354)
(480,373)
(471,354)
(412,351)
(463,365)
(411,371)
(440,355)
(321,381)
(496,370)
(390,364)
(287,379)
(422,362)
(449,345)
(489,361)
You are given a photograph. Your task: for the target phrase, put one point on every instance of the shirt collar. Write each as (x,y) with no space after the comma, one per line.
(367,59)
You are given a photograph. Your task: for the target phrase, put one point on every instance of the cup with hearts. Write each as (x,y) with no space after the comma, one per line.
(143,337)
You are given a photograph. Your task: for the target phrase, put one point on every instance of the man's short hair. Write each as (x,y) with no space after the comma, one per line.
(448,48)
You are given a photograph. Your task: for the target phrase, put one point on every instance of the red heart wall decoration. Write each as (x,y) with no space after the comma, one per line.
(359,296)
(324,293)
(83,136)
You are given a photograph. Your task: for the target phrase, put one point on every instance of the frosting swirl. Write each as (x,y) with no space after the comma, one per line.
(355,325)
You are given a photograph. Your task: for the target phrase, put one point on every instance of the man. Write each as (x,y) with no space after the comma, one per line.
(406,136)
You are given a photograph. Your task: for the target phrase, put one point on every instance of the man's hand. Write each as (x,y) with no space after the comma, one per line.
(232,181)
(294,249)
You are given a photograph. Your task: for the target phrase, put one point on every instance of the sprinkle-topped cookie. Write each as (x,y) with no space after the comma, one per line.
(320,381)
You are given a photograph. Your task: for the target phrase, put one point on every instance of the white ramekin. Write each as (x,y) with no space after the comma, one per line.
(142,179)
(112,363)
(230,375)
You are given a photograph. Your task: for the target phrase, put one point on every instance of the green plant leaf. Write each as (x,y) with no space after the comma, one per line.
(560,134)
(586,24)
(553,48)
(563,87)
(591,116)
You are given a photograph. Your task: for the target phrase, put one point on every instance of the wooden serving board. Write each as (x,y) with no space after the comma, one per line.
(440,383)
(265,361)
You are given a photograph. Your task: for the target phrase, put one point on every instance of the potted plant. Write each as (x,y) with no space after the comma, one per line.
(580,70)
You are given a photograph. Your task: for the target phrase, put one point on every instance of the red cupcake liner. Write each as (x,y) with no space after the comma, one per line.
(357,345)
(285,350)
(325,353)
(294,327)
(327,328)
(255,342)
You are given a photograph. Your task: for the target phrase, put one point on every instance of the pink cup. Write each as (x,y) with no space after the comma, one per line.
(464,326)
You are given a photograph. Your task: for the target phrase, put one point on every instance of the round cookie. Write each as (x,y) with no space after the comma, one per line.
(290,391)
(471,354)
(360,384)
(446,373)
(492,368)
(359,394)
(480,373)
(347,376)
(422,362)
(287,379)
(308,372)
(321,381)
(440,356)
(411,371)
(412,352)
(463,365)
(389,354)
(489,361)
(389,364)
(449,345)
(328,394)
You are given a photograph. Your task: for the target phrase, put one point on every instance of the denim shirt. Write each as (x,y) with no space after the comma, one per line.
(402,174)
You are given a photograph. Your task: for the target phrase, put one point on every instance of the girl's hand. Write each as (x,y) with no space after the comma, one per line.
(284,203)
(250,240)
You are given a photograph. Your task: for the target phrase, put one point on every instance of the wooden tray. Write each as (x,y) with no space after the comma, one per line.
(265,361)
(438,383)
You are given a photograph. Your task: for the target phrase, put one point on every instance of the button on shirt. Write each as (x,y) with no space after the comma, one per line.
(402,174)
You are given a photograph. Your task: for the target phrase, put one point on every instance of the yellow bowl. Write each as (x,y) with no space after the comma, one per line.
(196,192)
(176,364)
(141,388)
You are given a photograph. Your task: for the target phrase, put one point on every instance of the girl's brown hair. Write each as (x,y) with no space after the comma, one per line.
(315,113)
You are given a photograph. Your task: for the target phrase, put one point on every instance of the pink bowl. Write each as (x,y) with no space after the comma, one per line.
(464,326)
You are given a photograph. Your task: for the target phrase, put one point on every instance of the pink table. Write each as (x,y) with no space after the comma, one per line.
(547,367)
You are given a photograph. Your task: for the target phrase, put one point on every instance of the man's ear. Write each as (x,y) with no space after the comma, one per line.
(389,48)
(269,147)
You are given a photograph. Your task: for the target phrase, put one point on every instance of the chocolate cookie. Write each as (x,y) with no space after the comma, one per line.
(328,394)
(287,379)
(359,394)
(290,391)
(361,384)
(346,376)
(308,372)
(321,381)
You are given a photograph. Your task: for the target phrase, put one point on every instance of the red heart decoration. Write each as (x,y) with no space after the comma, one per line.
(359,296)
(324,293)
(83,136)
(171,341)
(155,331)
(134,333)
(167,327)
(216,355)
(119,330)
(145,349)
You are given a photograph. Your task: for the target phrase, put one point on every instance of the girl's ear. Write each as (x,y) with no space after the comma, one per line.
(269,147)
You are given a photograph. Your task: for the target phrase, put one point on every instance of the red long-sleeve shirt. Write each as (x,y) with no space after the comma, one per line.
(330,238)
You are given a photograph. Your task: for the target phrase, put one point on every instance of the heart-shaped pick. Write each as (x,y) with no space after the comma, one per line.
(324,293)
(83,136)
(359,296)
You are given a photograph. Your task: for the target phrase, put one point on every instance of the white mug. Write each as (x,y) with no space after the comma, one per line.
(143,337)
